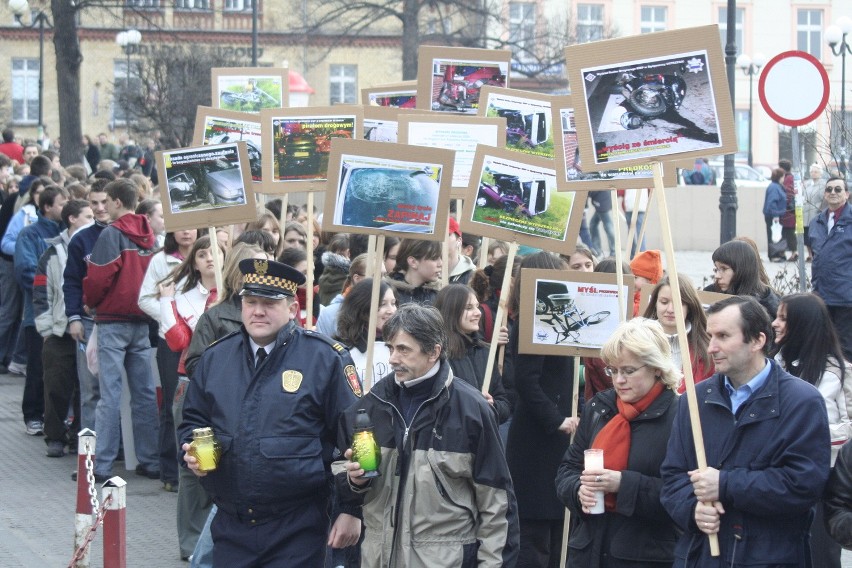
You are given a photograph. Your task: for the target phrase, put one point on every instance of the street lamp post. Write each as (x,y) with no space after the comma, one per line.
(19,8)
(728,190)
(751,67)
(127,40)
(836,37)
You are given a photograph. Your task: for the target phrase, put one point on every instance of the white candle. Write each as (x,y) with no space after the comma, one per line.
(594,461)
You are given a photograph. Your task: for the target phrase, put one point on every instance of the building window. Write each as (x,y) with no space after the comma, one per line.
(522,30)
(590,24)
(238,5)
(738,28)
(192,4)
(653,19)
(809,32)
(143,4)
(24,90)
(120,88)
(343,83)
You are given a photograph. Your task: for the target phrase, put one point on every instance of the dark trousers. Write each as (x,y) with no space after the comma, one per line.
(33,403)
(60,384)
(541,544)
(842,318)
(825,551)
(167,364)
(297,538)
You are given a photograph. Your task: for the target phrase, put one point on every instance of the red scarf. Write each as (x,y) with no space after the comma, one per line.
(614,438)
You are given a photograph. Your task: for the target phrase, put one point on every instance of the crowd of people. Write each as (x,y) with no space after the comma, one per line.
(477,458)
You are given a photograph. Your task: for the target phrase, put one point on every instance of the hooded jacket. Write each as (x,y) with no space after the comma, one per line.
(79,248)
(406,293)
(29,246)
(463,270)
(116,269)
(48,299)
(334,274)
(444,497)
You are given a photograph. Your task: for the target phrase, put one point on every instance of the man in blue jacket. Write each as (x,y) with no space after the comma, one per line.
(830,234)
(768,452)
(29,246)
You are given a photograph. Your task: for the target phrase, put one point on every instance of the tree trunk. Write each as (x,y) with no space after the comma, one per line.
(410,38)
(68,61)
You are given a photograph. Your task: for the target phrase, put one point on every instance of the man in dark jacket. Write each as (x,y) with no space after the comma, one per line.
(838,499)
(831,240)
(444,496)
(767,443)
(80,323)
(29,246)
(116,268)
(272,393)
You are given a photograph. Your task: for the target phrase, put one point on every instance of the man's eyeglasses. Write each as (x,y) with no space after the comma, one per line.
(625,372)
(834,189)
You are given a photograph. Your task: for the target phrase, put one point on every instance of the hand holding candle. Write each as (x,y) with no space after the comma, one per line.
(594,461)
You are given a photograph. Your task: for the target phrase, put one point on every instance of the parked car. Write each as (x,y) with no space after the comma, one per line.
(745,176)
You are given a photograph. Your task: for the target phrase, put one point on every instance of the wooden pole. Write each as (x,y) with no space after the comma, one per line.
(309,283)
(692,400)
(483,254)
(371,253)
(575,405)
(375,272)
(644,223)
(217,258)
(634,216)
(619,260)
(501,315)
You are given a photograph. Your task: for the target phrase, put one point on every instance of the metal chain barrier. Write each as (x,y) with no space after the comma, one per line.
(90,477)
(101,512)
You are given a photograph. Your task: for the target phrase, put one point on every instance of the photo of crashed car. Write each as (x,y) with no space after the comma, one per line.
(527,129)
(214,183)
(508,192)
(253,148)
(300,155)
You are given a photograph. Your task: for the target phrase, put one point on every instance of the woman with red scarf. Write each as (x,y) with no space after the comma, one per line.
(631,424)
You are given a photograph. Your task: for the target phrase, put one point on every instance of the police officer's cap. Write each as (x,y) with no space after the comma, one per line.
(269,279)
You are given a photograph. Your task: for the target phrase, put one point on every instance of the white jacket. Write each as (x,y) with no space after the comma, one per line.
(160,267)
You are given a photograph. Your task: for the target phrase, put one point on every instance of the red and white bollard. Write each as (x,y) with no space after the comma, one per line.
(86,440)
(114,496)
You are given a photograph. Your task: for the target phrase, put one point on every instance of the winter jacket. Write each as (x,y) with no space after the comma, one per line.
(79,249)
(406,293)
(48,299)
(471,369)
(463,271)
(773,458)
(29,246)
(179,316)
(832,265)
(788,218)
(26,216)
(116,268)
(639,532)
(535,447)
(838,499)
(775,201)
(277,442)
(327,319)
(6,213)
(445,496)
(214,324)
(769,299)
(161,265)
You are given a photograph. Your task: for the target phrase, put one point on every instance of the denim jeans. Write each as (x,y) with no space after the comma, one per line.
(125,346)
(167,364)
(90,390)
(640,218)
(202,556)
(605,218)
(585,237)
(32,404)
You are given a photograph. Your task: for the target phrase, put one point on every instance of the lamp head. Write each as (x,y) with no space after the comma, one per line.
(19,7)
(845,24)
(744,62)
(833,35)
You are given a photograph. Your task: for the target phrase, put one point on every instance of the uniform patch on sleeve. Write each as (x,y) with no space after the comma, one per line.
(352,379)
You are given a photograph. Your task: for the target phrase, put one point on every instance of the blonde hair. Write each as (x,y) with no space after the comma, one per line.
(645,339)
(232,277)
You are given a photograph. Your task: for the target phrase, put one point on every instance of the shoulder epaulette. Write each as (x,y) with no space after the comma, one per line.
(336,345)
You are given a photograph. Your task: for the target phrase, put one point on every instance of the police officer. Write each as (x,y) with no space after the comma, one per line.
(272,393)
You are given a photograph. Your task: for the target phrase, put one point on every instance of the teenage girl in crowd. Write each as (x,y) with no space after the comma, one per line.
(806,345)
(661,308)
(737,272)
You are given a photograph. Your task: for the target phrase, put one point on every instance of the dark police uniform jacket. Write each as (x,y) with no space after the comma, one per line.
(276,424)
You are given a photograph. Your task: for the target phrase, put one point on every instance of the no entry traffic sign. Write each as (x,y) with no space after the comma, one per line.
(793,88)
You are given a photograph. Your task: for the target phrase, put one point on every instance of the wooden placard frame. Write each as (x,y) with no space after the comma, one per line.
(596,69)
(209,215)
(522,102)
(431,70)
(585,289)
(328,120)
(246,127)
(385,115)
(391,95)
(460,132)
(346,158)
(538,170)
(229,77)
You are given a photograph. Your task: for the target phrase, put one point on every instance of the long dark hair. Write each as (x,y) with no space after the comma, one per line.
(697,338)
(354,315)
(746,266)
(810,341)
(451,301)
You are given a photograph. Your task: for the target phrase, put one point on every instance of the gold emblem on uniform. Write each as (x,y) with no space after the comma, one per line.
(261,266)
(291,380)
